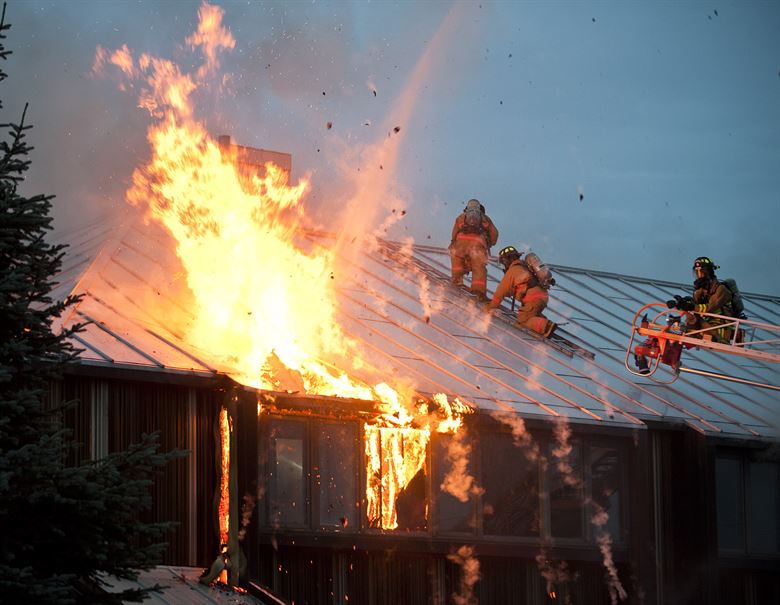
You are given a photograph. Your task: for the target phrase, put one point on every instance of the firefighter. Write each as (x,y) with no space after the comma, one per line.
(521,282)
(472,237)
(709,296)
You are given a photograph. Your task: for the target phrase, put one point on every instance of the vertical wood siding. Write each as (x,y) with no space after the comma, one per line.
(133,408)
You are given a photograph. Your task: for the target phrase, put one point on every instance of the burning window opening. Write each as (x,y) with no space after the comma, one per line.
(395,477)
(395,447)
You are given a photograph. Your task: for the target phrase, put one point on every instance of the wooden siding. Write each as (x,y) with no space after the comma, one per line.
(669,554)
(134,408)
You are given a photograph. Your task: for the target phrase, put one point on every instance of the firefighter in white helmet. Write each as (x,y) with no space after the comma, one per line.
(528,287)
(473,234)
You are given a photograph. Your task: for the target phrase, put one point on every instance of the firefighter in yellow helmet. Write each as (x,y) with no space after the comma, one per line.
(709,296)
(521,282)
(473,234)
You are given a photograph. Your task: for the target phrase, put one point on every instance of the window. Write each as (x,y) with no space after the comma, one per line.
(748,504)
(764,507)
(287,477)
(589,479)
(335,476)
(730,503)
(510,504)
(566,502)
(605,484)
(453,515)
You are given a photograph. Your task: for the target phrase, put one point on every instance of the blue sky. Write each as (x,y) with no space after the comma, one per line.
(664,116)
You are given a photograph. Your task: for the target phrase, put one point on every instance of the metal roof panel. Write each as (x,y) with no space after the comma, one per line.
(396,302)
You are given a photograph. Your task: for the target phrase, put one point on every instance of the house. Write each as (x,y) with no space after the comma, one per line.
(589,483)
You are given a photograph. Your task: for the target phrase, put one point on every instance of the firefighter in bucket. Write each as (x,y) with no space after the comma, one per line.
(709,296)
(473,234)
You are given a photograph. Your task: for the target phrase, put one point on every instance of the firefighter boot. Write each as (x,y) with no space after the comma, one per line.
(641,363)
(551,326)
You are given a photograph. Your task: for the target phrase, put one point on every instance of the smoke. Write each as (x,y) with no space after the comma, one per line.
(520,435)
(469,576)
(372,169)
(599,520)
(247,508)
(609,407)
(616,590)
(458,482)
(556,573)
(562,452)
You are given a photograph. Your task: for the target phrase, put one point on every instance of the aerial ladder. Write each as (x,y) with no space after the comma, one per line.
(668,332)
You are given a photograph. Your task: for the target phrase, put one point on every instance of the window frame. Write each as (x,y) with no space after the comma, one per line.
(546,441)
(269,458)
(316,463)
(427,465)
(746,458)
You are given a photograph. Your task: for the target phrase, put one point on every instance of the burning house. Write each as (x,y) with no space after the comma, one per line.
(488,466)
(359,431)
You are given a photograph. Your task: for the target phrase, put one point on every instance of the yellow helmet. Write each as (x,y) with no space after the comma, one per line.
(507,255)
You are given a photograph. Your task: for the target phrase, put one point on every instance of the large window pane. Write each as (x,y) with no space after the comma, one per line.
(764,507)
(335,476)
(287,477)
(511,482)
(730,502)
(566,502)
(605,476)
(454,515)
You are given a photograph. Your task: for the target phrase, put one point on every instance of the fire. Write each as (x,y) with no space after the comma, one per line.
(263,303)
(223,509)
(395,456)
(224,480)
(259,296)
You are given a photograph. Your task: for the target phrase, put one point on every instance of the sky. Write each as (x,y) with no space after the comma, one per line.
(617,136)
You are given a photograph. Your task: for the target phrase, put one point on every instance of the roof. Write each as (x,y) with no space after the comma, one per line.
(180,585)
(445,343)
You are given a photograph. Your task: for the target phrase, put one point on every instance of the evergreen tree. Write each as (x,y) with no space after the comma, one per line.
(61,527)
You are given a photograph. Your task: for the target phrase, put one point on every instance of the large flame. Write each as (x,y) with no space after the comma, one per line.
(263,303)
(258,295)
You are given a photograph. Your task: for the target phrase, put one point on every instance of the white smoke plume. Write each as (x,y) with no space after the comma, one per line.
(604,540)
(600,517)
(616,590)
(469,575)
(522,438)
(458,482)
(561,452)
(609,407)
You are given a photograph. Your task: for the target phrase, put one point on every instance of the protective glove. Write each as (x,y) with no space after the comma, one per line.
(682,303)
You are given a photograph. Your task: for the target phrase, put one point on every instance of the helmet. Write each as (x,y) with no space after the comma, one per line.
(704,261)
(507,255)
(706,265)
(474,204)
